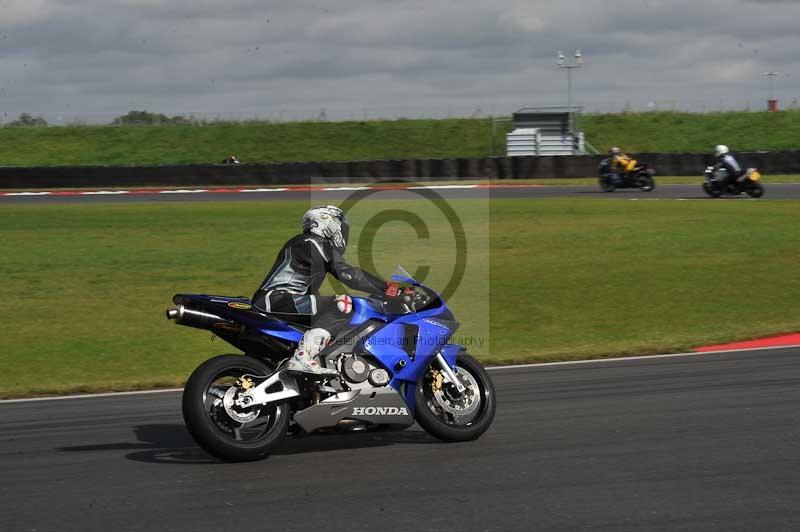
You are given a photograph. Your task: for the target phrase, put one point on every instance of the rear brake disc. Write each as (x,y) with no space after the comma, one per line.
(232,410)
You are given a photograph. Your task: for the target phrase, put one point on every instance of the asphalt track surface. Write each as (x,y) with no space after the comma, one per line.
(707,442)
(664,192)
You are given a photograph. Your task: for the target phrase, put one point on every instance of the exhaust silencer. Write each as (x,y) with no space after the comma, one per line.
(193,318)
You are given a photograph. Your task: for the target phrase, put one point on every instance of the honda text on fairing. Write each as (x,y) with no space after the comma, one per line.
(641,176)
(716,183)
(395,365)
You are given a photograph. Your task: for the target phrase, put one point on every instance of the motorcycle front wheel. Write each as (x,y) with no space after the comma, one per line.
(646,183)
(712,190)
(450,416)
(220,427)
(755,190)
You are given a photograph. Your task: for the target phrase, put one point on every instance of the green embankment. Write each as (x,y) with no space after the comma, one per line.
(85,286)
(392,139)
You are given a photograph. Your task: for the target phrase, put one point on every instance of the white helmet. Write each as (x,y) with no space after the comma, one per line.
(721,150)
(328,222)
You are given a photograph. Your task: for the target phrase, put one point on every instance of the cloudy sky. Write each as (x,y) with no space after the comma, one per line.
(293,58)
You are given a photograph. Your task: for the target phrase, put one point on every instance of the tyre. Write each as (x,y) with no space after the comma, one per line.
(607,185)
(449,417)
(755,190)
(221,428)
(646,183)
(712,190)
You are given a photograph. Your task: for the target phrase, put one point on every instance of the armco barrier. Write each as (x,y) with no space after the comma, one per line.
(786,162)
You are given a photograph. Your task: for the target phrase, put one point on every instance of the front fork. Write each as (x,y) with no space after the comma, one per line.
(439,362)
(449,374)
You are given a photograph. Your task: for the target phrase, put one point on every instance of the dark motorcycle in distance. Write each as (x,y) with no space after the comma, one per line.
(640,177)
(715,186)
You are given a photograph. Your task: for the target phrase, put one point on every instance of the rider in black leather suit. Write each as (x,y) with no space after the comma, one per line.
(290,289)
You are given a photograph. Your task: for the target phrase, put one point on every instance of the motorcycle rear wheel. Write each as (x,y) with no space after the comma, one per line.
(607,185)
(435,408)
(252,433)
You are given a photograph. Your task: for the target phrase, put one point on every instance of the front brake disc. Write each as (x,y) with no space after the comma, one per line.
(459,406)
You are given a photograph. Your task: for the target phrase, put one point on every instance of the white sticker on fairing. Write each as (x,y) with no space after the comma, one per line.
(344,303)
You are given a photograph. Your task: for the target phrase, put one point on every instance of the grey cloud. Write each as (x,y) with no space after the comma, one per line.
(244,55)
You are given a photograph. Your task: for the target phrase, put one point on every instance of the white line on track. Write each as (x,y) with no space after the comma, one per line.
(492,368)
(643,357)
(91,395)
(438,187)
(378,186)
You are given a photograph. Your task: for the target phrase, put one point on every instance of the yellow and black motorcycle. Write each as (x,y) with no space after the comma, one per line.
(633,175)
(716,185)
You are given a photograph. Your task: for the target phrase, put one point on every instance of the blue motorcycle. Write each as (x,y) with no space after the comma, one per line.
(395,365)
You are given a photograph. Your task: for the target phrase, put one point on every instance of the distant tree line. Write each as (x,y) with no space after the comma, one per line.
(28,120)
(145,118)
(131,118)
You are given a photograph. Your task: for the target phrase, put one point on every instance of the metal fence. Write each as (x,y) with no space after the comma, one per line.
(398,112)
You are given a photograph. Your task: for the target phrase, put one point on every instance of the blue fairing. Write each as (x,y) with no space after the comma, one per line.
(363,310)
(393,345)
(288,334)
(408,342)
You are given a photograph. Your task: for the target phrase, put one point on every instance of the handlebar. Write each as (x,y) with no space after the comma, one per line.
(407,303)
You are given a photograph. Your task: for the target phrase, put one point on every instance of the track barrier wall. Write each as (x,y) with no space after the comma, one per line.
(299,173)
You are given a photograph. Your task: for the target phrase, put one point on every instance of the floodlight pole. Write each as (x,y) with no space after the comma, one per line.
(771,104)
(771,76)
(569,86)
(569,67)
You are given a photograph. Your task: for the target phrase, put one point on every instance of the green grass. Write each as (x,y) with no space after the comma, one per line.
(85,286)
(692,132)
(367,140)
(602,278)
(249,141)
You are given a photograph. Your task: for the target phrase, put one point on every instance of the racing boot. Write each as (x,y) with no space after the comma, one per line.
(304,359)
(302,363)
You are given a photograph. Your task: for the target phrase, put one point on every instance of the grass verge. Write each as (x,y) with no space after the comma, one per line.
(85,286)
(388,139)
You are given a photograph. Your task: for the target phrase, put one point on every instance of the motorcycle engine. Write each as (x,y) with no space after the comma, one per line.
(357,369)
